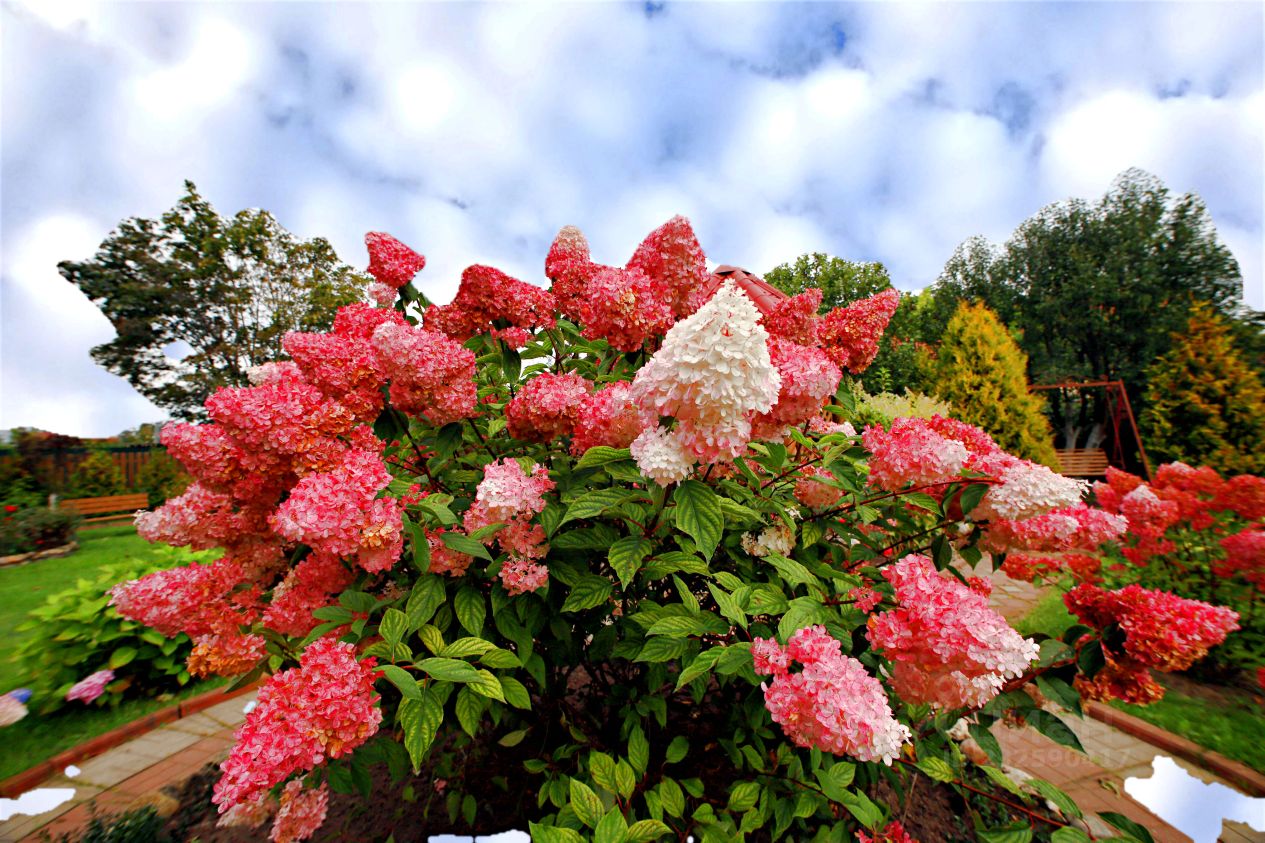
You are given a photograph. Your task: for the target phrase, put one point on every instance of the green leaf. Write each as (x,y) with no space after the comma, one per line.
(420,544)
(678,749)
(661,649)
(728,605)
(683,626)
(699,515)
(672,798)
(793,572)
(470,609)
(438,511)
(432,638)
(638,749)
(1060,692)
(646,830)
(1069,834)
(464,647)
(515,693)
(937,768)
(1002,779)
(972,495)
(987,742)
(427,596)
(600,455)
(743,796)
(602,769)
(470,707)
(394,626)
(835,780)
(702,663)
(1058,797)
(500,659)
(802,612)
(511,739)
(337,614)
(612,828)
(400,678)
(861,807)
(625,779)
(1019,832)
(1053,728)
(464,544)
(358,601)
(551,834)
(587,807)
(588,592)
(122,656)
(626,555)
(1127,825)
(420,720)
(487,685)
(595,503)
(449,670)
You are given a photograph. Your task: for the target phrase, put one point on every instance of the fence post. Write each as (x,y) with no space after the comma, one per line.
(52,502)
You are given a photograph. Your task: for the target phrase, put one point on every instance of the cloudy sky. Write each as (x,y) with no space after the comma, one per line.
(474,132)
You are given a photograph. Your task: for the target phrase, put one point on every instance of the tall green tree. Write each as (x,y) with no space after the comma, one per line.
(903,359)
(1205,405)
(223,290)
(1097,289)
(981,371)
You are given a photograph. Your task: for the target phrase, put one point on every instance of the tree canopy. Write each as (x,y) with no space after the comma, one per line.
(228,289)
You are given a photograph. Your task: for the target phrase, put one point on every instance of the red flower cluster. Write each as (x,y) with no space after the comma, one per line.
(324,708)
(851,334)
(1161,631)
(488,299)
(547,407)
(390,261)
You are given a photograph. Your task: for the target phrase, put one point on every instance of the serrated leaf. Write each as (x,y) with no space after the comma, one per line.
(589,592)
(602,769)
(728,605)
(1053,728)
(420,720)
(646,830)
(1018,833)
(1058,797)
(587,807)
(427,596)
(672,798)
(470,707)
(515,693)
(357,601)
(402,679)
(511,739)
(432,638)
(487,685)
(626,555)
(699,515)
(1060,692)
(1002,779)
(861,807)
(1069,834)
(500,659)
(625,780)
(449,670)
(661,649)
(743,796)
(638,749)
(466,647)
(677,749)
(612,828)
(937,768)
(987,742)
(600,455)
(122,656)
(802,612)
(794,573)
(464,544)
(704,662)
(394,626)
(594,503)
(683,626)
(835,780)
(553,834)
(470,610)
(441,513)
(1127,825)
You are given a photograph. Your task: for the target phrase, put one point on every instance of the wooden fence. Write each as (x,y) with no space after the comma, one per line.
(53,469)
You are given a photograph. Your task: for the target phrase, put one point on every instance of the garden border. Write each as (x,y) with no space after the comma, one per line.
(1235,772)
(20,783)
(36,555)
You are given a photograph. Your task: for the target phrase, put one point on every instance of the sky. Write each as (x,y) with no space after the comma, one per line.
(473,132)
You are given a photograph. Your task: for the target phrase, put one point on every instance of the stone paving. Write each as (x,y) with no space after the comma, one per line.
(130,775)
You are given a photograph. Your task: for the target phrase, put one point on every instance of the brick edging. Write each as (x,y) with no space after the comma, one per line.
(20,783)
(1238,774)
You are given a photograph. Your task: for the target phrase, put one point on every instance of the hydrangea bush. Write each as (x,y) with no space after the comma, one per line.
(623,525)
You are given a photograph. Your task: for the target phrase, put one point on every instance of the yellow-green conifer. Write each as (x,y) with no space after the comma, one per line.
(981,371)
(1205,405)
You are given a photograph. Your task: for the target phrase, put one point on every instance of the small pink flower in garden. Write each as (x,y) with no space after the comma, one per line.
(949,647)
(814,493)
(660,456)
(672,257)
(608,417)
(569,265)
(88,689)
(850,335)
(507,491)
(1244,554)
(392,263)
(1243,495)
(249,814)
(1078,527)
(310,585)
(1026,489)
(301,813)
(324,708)
(864,598)
(809,379)
(832,703)
(383,295)
(226,654)
(521,575)
(487,296)
(547,407)
(193,599)
(912,452)
(795,319)
(443,559)
(893,832)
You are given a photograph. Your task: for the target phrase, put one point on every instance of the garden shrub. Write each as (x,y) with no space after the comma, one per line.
(161,478)
(28,530)
(77,633)
(143,825)
(621,527)
(18,490)
(97,476)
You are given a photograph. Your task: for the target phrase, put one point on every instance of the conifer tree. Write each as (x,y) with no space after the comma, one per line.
(1205,404)
(981,371)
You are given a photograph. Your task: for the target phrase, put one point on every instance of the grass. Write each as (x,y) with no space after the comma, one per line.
(25,587)
(1233,724)
(1223,719)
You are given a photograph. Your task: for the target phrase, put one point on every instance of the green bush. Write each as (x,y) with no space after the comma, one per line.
(140,826)
(97,476)
(17,488)
(76,633)
(161,478)
(33,529)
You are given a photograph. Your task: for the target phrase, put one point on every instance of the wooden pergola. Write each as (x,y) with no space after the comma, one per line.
(1093,462)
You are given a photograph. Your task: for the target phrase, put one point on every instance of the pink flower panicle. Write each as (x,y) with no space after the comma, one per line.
(510,496)
(949,647)
(324,708)
(390,261)
(795,319)
(430,373)
(1078,527)
(301,813)
(569,266)
(487,298)
(1245,555)
(226,654)
(546,407)
(893,832)
(193,599)
(864,598)
(814,493)
(625,308)
(832,703)
(89,688)
(912,452)
(607,417)
(443,559)
(809,379)
(672,258)
(311,585)
(850,335)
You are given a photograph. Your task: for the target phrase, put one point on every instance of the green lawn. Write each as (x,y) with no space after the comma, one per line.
(1233,724)
(23,588)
